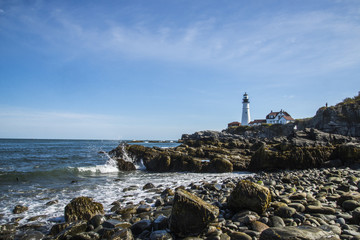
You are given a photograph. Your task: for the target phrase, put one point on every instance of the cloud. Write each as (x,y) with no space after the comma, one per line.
(294,43)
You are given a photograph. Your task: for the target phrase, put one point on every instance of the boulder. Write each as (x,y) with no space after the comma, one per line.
(125,165)
(250,196)
(297,233)
(221,165)
(82,208)
(20,209)
(190,214)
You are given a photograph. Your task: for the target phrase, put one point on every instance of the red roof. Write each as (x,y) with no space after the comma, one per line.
(258,121)
(289,118)
(234,124)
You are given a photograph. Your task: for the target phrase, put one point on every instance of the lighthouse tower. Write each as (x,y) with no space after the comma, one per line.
(246,111)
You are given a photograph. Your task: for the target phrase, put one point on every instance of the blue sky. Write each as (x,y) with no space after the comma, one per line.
(156,69)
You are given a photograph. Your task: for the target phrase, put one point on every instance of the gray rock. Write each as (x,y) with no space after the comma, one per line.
(86,236)
(350,205)
(97,220)
(124,234)
(320,209)
(139,227)
(297,233)
(297,206)
(113,223)
(285,211)
(276,221)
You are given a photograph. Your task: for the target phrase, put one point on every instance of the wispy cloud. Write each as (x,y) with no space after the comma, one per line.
(301,42)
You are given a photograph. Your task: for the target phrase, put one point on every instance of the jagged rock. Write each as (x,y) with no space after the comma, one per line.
(124,234)
(82,208)
(343,118)
(297,233)
(251,196)
(190,214)
(72,230)
(20,209)
(125,165)
(138,227)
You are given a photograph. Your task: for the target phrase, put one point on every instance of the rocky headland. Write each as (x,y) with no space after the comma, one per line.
(306,187)
(330,138)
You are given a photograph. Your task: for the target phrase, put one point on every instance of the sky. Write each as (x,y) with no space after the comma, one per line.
(142,69)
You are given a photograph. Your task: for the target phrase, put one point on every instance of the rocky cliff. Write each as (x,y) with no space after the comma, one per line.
(328,139)
(343,118)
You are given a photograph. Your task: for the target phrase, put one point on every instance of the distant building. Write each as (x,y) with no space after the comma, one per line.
(281,117)
(257,122)
(234,124)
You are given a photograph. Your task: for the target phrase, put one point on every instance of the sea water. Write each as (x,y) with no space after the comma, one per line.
(35,172)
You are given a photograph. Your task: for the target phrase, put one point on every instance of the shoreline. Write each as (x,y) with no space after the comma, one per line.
(322,198)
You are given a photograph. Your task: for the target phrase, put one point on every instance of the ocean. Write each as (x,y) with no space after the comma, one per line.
(35,172)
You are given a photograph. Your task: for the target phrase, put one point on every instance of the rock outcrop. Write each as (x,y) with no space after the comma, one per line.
(190,214)
(298,145)
(343,118)
(82,208)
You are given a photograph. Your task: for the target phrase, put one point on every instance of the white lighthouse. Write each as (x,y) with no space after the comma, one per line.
(246,111)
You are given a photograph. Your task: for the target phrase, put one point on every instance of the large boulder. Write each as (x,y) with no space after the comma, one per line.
(125,165)
(190,214)
(250,196)
(82,208)
(297,233)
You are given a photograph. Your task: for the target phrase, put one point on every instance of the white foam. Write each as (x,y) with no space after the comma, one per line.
(109,167)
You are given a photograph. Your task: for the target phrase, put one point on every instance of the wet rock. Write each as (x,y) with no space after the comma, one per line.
(160,235)
(190,214)
(86,236)
(161,223)
(97,220)
(148,186)
(52,202)
(276,221)
(245,217)
(320,209)
(285,212)
(248,195)
(259,226)
(301,232)
(113,223)
(140,227)
(239,236)
(57,228)
(32,235)
(297,206)
(72,230)
(350,205)
(82,208)
(7,231)
(124,234)
(20,209)
(125,165)
(143,208)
